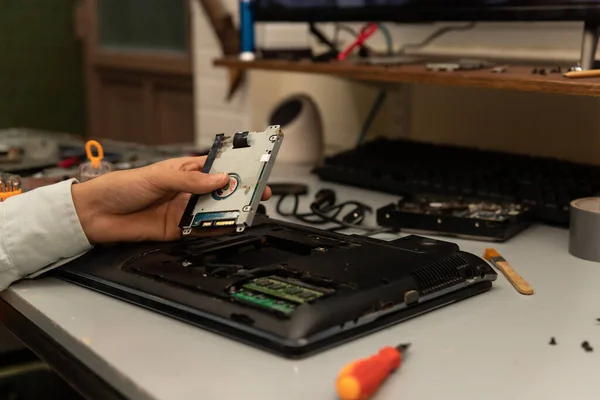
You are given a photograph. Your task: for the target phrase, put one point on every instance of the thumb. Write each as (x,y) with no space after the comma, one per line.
(194,182)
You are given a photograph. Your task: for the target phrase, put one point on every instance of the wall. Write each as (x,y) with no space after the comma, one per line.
(213,113)
(41,84)
(554,125)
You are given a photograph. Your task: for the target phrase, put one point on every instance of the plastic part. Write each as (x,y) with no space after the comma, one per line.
(361,379)
(10,185)
(96,165)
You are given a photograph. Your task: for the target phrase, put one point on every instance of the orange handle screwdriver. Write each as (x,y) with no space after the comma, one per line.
(361,379)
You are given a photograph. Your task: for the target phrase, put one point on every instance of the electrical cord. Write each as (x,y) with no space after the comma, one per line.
(363,35)
(388,38)
(390,49)
(371,116)
(381,96)
(346,28)
(436,34)
(321,214)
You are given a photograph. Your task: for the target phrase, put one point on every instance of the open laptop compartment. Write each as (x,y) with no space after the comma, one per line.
(286,288)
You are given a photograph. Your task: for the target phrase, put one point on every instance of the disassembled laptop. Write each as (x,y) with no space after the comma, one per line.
(290,289)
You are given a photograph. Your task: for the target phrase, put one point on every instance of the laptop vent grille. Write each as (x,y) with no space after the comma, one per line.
(439,275)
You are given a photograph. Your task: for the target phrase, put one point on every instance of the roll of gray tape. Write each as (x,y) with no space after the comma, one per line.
(584,229)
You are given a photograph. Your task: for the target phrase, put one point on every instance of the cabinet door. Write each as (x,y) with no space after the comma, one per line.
(138,69)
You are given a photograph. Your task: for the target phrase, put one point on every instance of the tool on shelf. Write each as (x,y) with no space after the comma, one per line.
(96,165)
(513,277)
(580,74)
(10,185)
(361,379)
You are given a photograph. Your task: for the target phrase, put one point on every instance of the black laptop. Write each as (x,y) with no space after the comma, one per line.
(285,288)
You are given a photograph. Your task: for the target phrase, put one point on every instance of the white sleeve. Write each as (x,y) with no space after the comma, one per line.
(39,230)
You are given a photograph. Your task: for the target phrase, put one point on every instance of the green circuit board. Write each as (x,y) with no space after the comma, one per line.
(263,301)
(283,290)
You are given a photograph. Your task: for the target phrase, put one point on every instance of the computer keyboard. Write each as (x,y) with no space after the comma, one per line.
(409,167)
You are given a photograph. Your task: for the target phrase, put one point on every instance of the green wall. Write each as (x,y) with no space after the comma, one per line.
(41,73)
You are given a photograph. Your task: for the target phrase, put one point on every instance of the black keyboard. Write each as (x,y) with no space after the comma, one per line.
(407,168)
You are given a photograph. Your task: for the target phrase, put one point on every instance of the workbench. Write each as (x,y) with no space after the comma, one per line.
(494,346)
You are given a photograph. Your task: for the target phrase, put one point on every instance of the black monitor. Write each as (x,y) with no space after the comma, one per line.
(416,11)
(427,10)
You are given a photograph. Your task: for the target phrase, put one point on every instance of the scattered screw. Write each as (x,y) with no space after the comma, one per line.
(552,341)
(586,346)
(542,71)
(556,70)
(534,71)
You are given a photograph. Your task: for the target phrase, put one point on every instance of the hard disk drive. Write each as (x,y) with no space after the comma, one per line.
(247,157)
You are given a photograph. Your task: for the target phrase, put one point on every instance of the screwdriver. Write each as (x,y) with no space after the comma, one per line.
(362,378)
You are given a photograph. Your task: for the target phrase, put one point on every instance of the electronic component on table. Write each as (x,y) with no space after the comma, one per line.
(248,158)
(399,166)
(278,294)
(361,379)
(10,185)
(96,165)
(456,216)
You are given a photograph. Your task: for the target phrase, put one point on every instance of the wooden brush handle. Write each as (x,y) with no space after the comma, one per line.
(515,279)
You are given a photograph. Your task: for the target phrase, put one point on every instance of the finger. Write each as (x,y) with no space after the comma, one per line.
(266,194)
(185,163)
(193,163)
(188,181)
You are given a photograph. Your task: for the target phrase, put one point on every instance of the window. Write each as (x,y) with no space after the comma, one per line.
(143,25)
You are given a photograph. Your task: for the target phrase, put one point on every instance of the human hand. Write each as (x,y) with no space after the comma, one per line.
(143,204)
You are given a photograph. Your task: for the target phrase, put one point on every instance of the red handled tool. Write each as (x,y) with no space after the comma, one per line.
(361,379)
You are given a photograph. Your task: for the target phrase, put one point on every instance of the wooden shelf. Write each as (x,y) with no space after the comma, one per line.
(518,78)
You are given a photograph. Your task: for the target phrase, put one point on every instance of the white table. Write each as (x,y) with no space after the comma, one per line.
(493,346)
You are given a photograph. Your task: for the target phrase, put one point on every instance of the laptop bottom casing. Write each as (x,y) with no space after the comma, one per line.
(285,288)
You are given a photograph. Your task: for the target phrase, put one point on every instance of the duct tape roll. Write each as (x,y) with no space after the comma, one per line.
(584,229)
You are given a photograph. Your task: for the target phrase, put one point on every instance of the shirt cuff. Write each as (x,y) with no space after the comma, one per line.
(42,229)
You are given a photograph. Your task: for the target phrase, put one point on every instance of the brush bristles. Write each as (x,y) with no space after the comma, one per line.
(491,253)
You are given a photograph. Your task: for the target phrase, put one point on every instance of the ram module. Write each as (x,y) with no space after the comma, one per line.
(283,290)
(263,301)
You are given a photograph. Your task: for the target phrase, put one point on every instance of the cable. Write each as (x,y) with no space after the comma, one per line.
(348,29)
(382,93)
(328,215)
(390,46)
(371,116)
(436,34)
(388,38)
(363,35)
